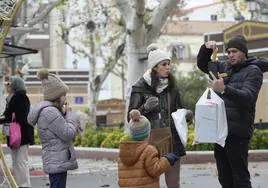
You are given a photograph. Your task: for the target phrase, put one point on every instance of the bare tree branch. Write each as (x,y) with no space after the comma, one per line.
(139,7)
(159,18)
(125,8)
(44,13)
(109,66)
(116,72)
(65,37)
(111,39)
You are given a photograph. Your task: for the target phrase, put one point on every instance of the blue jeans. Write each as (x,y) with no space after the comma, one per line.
(58,180)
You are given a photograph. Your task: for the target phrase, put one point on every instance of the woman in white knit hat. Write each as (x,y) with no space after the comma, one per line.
(156,96)
(57,128)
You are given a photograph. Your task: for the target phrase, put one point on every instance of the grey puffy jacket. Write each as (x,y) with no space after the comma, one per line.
(56,134)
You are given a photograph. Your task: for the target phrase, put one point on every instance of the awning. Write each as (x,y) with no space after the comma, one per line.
(13,50)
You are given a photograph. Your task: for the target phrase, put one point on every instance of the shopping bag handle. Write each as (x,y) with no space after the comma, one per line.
(13,117)
(209,94)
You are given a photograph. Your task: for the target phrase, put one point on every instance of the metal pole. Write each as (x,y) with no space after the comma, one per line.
(13,59)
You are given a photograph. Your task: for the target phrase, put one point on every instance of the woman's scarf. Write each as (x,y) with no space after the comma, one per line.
(162,84)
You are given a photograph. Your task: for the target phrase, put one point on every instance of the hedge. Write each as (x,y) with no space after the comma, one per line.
(111,137)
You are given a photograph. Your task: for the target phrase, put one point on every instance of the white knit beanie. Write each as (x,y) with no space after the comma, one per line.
(53,87)
(155,55)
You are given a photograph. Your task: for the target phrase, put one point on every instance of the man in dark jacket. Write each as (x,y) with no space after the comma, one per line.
(238,81)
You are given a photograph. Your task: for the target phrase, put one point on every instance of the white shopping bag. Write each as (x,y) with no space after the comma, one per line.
(210,119)
(181,124)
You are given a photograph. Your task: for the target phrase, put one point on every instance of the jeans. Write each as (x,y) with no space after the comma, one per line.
(58,180)
(232,163)
(172,176)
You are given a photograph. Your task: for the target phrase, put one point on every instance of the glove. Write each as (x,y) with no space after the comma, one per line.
(171,157)
(151,104)
(189,116)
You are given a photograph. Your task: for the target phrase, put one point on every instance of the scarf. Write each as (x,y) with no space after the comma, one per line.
(162,84)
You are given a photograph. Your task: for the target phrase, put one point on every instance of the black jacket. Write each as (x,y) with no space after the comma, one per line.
(242,85)
(20,104)
(141,91)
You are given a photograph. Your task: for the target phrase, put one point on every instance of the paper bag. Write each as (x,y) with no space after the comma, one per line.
(181,124)
(210,119)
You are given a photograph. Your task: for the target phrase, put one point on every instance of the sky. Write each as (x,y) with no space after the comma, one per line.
(190,4)
(193,3)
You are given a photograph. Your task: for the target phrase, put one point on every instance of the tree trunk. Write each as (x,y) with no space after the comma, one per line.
(92,93)
(2,88)
(137,64)
(93,96)
(140,35)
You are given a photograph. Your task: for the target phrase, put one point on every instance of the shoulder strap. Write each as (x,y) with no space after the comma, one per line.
(41,110)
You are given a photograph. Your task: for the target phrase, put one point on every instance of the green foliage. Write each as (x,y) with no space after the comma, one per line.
(121,22)
(196,147)
(103,137)
(191,87)
(111,137)
(3,138)
(36,137)
(259,140)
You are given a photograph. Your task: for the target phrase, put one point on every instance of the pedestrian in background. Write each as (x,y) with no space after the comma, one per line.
(237,81)
(19,104)
(156,96)
(57,128)
(139,162)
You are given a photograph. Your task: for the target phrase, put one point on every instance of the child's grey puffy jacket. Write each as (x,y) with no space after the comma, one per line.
(56,134)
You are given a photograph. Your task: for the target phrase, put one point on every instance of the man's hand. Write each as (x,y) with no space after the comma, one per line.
(211,44)
(217,84)
(189,116)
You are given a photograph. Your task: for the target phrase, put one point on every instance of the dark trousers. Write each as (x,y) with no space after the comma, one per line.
(232,163)
(58,180)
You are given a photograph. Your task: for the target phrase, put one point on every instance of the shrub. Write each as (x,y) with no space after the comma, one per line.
(111,137)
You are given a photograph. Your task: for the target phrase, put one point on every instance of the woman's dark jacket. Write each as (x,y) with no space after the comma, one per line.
(20,105)
(160,117)
(242,85)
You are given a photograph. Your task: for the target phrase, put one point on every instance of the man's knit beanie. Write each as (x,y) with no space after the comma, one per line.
(140,126)
(239,42)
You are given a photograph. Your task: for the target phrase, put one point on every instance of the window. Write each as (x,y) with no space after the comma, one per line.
(177,51)
(213,17)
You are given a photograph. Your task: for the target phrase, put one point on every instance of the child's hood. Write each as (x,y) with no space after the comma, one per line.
(130,152)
